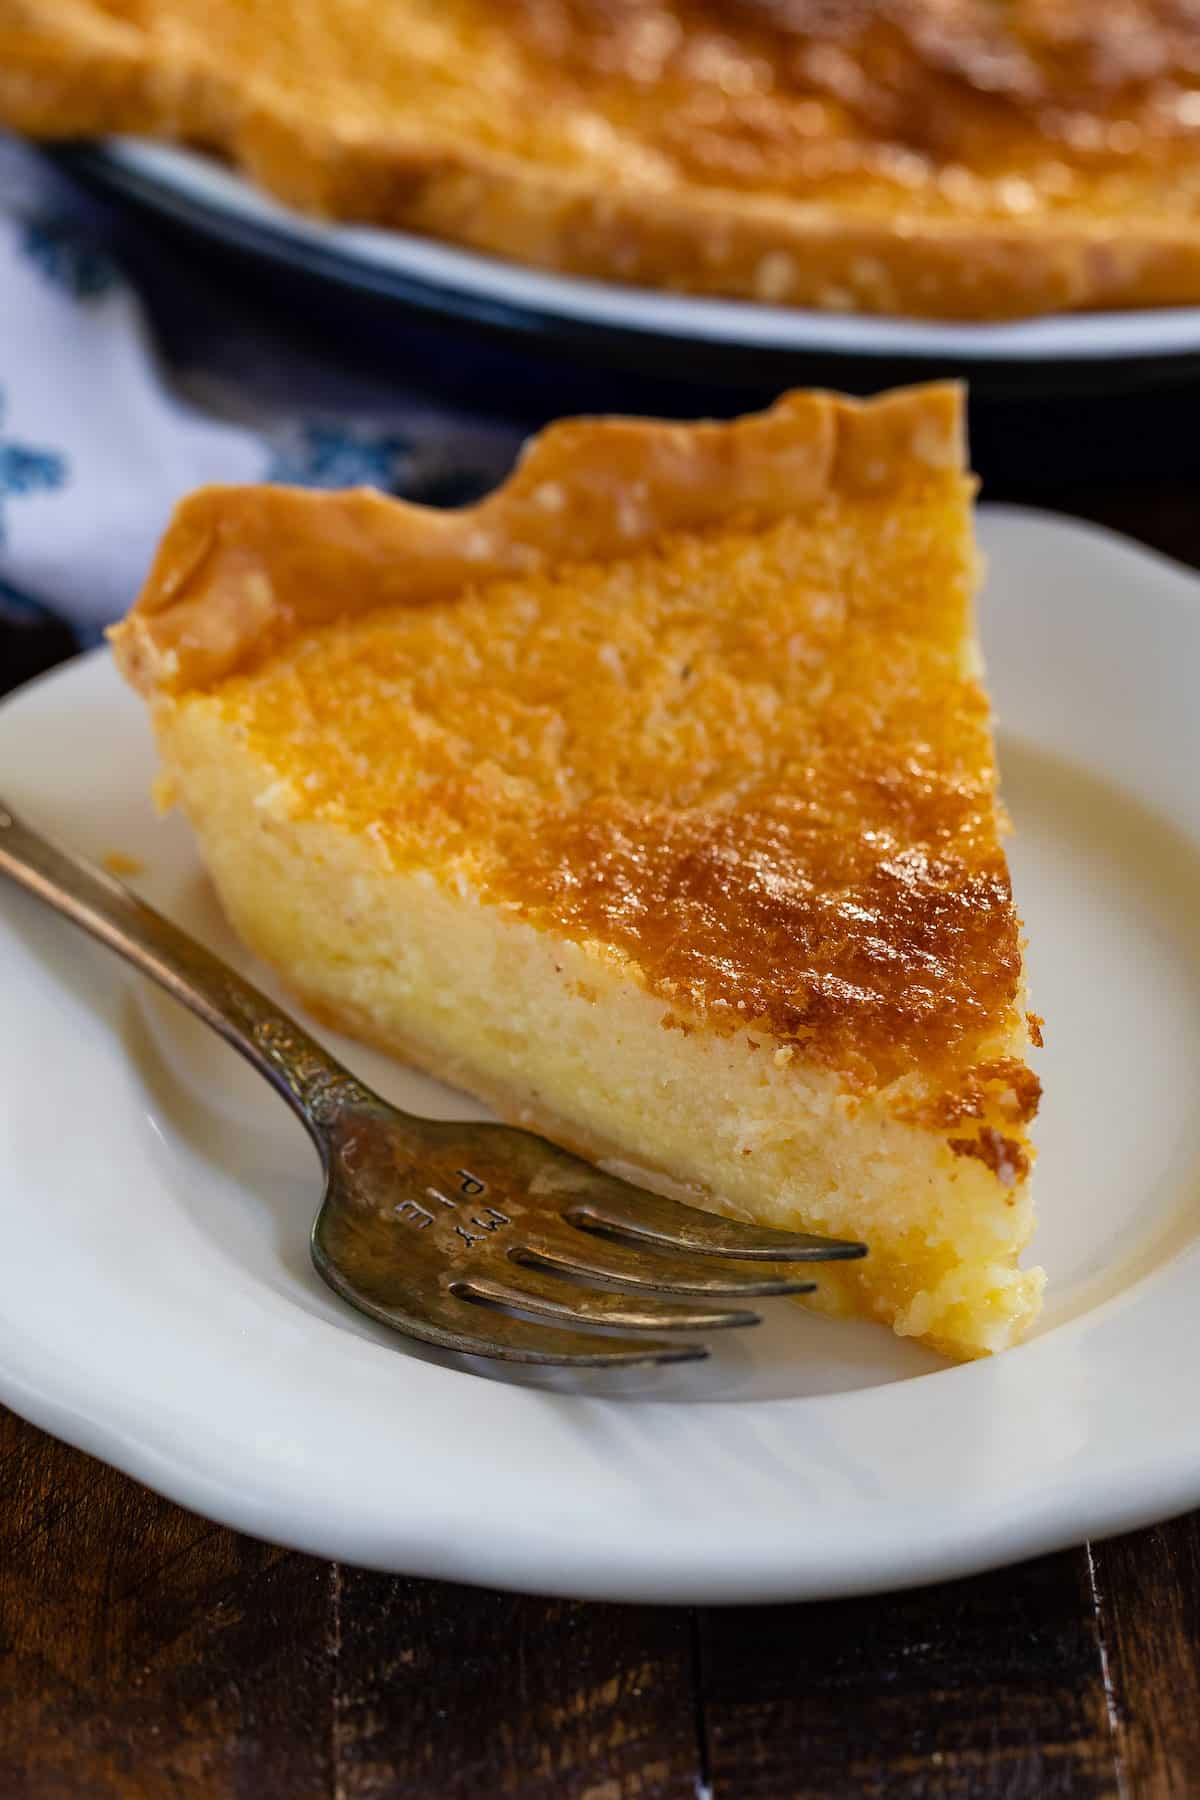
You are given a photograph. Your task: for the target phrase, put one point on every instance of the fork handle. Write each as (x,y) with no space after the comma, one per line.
(313,1083)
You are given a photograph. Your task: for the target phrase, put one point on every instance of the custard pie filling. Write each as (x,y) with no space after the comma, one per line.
(661,814)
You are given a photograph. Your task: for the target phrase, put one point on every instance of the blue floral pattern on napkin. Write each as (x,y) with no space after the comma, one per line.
(117,400)
(25,470)
(67,257)
(324,455)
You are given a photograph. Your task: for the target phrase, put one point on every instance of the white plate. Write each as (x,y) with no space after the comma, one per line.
(466,283)
(157,1306)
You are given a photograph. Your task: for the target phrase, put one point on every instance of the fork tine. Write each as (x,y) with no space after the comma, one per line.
(450,1323)
(592,1258)
(549,1296)
(509,1339)
(619,1209)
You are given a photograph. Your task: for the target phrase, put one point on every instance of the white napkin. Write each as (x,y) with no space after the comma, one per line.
(99,436)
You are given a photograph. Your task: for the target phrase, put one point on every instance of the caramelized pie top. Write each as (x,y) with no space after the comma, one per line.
(703,695)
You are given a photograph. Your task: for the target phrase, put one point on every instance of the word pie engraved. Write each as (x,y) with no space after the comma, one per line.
(477,1225)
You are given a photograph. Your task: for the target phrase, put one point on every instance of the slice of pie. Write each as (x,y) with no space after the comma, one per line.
(952,158)
(653,801)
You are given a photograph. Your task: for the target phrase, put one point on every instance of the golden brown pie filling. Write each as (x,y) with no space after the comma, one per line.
(654,800)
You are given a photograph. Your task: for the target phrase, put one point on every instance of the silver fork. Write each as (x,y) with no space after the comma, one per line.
(478,1238)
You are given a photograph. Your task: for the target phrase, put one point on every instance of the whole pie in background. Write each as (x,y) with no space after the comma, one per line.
(973,159)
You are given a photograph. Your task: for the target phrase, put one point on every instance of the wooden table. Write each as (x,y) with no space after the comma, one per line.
(145,1653)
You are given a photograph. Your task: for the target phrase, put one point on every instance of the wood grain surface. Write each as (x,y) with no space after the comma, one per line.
(145,1653)
(148,1655)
